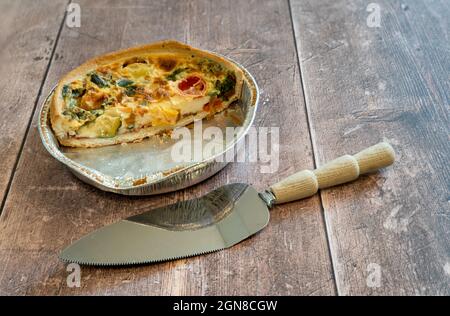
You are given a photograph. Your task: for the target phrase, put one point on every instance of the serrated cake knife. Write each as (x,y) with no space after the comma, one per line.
(218,220)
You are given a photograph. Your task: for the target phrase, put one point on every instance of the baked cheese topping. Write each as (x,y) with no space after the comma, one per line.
(152,90)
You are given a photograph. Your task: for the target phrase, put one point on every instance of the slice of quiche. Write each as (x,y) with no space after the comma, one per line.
(135,93)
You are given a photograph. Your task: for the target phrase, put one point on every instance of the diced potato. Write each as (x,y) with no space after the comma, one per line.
(163,115)
(138,71)
(104,126)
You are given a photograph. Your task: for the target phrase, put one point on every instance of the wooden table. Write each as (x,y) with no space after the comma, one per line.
(330,81)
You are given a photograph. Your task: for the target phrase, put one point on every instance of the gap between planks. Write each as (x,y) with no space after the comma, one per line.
(30,120)
(313,147)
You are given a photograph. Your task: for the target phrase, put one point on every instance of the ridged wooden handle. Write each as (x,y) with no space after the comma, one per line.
(343,169)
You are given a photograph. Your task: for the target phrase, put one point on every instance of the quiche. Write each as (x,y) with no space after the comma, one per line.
(128,95)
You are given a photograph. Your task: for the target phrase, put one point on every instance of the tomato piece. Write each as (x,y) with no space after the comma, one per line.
(213,105)
(192,85)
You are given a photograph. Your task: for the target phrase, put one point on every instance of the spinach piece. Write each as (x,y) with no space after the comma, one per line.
(98,112)
(99,81)
(174,75)
(66,91)
(78,92)
(124,83)
(130,91)
(73,110)
(77,113)
(69,113)
(130,88)
(83,115)
(208,65)
(226,87)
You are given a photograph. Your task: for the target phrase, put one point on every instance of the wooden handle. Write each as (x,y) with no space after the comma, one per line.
(343,169)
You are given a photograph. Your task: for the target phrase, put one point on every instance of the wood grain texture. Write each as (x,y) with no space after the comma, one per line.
(48,208)
(363,85)
(27,39)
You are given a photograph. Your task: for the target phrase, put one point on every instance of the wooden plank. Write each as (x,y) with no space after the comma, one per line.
(289,257)
(26,40)
(363,85)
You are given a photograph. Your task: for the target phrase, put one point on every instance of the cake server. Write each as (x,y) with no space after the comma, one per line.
(218,220)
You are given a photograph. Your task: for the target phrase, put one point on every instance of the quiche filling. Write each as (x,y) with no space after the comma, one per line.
(145,91)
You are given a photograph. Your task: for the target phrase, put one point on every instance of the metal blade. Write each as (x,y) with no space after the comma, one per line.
(220,219)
